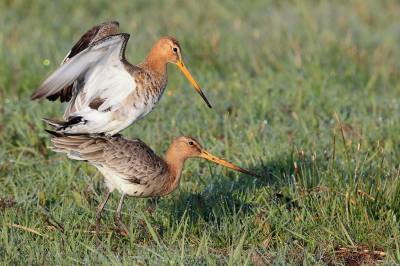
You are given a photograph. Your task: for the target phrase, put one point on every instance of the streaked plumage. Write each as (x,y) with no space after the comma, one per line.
(131,167)
(107,93)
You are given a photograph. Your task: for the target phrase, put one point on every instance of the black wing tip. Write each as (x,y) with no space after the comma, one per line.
(53,98)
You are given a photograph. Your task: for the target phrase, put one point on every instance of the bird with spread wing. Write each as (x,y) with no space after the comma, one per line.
(106,93)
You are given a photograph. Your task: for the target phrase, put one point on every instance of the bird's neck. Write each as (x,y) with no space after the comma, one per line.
(175,164)
(154,64)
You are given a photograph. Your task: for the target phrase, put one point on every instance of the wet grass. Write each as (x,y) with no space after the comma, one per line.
(274,73)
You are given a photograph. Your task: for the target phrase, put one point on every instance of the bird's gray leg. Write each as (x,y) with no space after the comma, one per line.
(98,216)
(118,214)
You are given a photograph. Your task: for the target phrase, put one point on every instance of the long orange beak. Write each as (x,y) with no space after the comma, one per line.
(181,65)
(215,159)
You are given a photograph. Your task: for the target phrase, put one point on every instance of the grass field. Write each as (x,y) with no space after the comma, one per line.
(275,72)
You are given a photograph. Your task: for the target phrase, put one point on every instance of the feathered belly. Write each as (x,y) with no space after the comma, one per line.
(125,116)
(116,118)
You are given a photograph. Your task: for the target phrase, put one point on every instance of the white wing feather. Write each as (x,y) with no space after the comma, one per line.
(102,72)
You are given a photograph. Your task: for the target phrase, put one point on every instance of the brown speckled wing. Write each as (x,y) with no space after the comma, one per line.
(91,36)
(131,159)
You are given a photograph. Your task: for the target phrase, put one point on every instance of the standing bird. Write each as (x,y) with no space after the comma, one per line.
(106,92)
(131,167)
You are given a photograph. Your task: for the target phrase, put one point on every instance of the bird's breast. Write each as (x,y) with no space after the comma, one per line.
(150,88)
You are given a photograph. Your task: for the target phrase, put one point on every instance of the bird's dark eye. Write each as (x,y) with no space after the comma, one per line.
(191,143)
(175,49)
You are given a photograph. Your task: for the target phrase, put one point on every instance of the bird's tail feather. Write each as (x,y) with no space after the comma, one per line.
(68,144)
(63,126)
(52,122)
(54,134)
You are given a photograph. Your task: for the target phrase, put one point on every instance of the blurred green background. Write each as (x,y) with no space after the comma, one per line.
(274,72)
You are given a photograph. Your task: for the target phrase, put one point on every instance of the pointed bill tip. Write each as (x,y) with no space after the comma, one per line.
(204,98)
(183,68)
